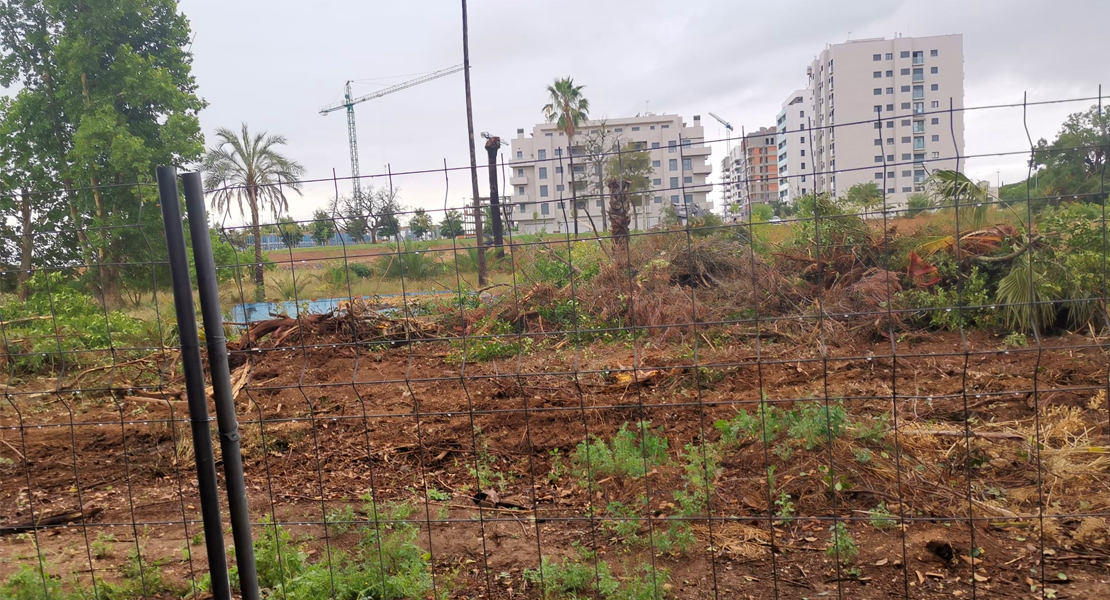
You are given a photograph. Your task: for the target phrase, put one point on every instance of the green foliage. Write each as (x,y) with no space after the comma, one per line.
(939,306)
(323,227)
(588,576)
(785,511)
(421,223)
(290,232)
(1074,163)
(708,224)
(103,545)
(567,106)
(29,583)
(762,213)
(873,429)
(917,203)
(1015,339)
(826,227)
(810,424)
(482,467)
(816,423)
(585,257)
(630,164)
(500,342)
(867,196)
(841,546)
(631,453)
(953,191)
(338,274)
(624,520)
(411,260)
(452,224)
(881,518)
(341,520)
(79,324)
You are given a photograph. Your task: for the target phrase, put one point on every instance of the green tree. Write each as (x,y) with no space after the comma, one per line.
(867,196)
(1074,163)
(290,232)
(452,224)
(250,167)
(106,95)
(387,207)
(762,213)
(634,166)
(952,190)
(323,227)
(421,223)
(566,107)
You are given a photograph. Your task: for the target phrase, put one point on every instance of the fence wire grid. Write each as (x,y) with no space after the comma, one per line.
(858,400)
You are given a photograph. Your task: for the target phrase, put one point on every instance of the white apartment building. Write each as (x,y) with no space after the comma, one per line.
(542,170)
(888,112)
(732,190)
(795,154)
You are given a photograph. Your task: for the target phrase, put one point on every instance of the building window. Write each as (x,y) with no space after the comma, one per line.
(905,88)
(520,172)
(545,209)
(543,172)
(905,189)
(519,154)
(918,92)
(904,54)
(905,139)
(890,90)
(548,134)
(905,122)
(918,74)
(918,176)
(879,158)
(877,74)
(657,181)
(890,56)
(672,147)
(934,87)
(936,138)
(905,71)
(664,126)
(674,199)
(520,190)
(619,129)
(936,121)
(656,163)
(559,205)
(803,152)
(905,157)
(932,53)
(889,141)
(876,57)
(890,73)
(918,142)
(936,155)
(687,164)
(934,70)
(654,145)
(918,57)
(918,157)
(890,174)
(558,152)
(674,182)
(905,106)
(889,158)
(890,108)
(652,127)
(935,104)
(918,108)
(687,179)
(558,170)
(541,154)
(635,129)
(878,108)
(803,181)
(878,142)
(658,199)
(559,188)
(878,91)
(803,165)
(543,191)
(672,164)
(919,126)
(906,173)
(520,207)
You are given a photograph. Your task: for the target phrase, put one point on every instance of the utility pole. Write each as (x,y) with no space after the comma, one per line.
(473,157)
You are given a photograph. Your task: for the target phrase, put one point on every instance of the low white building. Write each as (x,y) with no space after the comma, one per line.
(553,185)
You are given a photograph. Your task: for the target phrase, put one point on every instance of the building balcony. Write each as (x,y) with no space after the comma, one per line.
(696,150)
(705,169)
(518,180)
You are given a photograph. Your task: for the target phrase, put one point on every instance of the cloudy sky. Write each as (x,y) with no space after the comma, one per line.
(274,63)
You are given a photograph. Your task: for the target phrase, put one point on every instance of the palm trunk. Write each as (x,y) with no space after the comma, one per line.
(27,244)
(492,147)
(619,213)
(256,230)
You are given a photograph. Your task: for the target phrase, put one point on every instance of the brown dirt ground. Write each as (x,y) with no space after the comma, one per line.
(340,421)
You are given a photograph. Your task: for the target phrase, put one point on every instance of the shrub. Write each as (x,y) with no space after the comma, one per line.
(629,454)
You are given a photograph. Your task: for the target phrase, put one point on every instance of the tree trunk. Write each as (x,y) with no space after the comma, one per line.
(473,158)
(26,242)
(492,146)
(256,230)
(619,218)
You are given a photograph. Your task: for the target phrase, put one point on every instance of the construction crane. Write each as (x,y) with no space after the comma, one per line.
(728,144)
(727,125)
(349,103)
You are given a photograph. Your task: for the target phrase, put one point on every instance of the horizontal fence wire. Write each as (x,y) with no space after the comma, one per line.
(857,399)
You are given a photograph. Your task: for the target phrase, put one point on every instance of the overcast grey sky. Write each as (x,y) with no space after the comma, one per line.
(274,63)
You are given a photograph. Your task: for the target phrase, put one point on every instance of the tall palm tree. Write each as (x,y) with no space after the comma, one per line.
(568,107)
(244,166)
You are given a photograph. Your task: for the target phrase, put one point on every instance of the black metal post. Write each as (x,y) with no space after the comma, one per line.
(194,382)
(226,420)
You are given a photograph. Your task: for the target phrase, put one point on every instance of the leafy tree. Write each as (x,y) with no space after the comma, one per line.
(634,166)
(290,232)
(421,223)
(867,196)
(762,213)
(388,206)
(245,167)
(323,228)
(1074,162)
(106,95)
(452,224)
(567,107)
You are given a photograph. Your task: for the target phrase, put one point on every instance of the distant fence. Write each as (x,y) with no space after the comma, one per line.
(861,399)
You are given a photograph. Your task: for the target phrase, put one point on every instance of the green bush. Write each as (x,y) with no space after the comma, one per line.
(411,260)
(629,454)
(588,576)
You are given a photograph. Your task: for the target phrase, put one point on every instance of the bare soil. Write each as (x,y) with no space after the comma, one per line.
(997,453)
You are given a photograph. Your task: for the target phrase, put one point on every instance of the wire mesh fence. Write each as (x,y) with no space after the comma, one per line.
(867,398)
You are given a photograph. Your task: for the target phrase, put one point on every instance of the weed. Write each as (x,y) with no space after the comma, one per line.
(482,468)
(818,424)
(103,544)
(500,342)
(881,518)
(341,520)
(841,545)
(785,505)
(438,495)
(625,520)
(412,260)
(587,576)
(765,425)
(700,471)
(863,455)
(197,539)
(873,429)
(557,466)
(1016,339)
(632,453)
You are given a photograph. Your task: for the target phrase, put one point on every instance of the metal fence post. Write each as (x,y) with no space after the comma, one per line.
(226,420)
(194,382)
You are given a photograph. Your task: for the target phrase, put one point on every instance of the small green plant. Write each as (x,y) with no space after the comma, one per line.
(341,520)
(500,342)
(818,423)
(873,429)
(103,545)
(588,576)
(557,466)
(438,495)
(482,467)
(1016,339)
(197,539)
(785,511)
(863,455)
(841,545)
(624,521)
(881,518)
(631,453)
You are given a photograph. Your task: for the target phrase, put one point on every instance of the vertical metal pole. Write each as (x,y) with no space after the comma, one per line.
(226,421)
(194,382)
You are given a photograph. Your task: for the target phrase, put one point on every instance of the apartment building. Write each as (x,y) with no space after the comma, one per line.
(554,186)
(731,179)
(795,167)
(758,169)
(887,111)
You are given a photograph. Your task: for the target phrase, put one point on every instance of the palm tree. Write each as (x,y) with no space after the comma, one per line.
(568,107)
(249,167)
(952,190)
